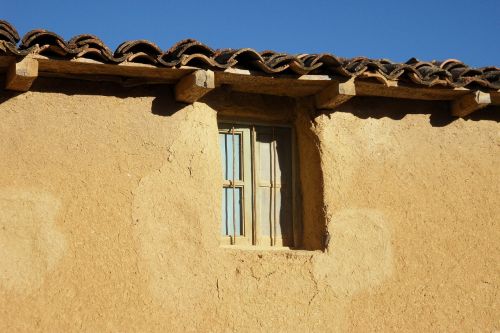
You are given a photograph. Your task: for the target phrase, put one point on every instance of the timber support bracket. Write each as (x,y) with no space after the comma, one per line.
(21,74)
(466,104)
(335,94)
(194,86)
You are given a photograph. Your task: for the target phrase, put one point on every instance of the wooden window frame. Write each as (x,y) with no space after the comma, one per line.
(248,163)
(245,183)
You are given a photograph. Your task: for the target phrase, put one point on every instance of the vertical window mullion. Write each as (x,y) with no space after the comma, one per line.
(253,141)
(246,164)
(233,240)
(273,187)
(293,179)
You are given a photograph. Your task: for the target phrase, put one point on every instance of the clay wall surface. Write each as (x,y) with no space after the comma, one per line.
(110,210)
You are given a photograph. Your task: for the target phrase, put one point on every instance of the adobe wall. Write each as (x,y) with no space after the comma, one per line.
(109,217)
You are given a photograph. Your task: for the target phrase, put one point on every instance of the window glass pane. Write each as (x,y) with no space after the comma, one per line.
(274,169)
(228,213)
(265,209)
(284,214)
(227,148)
(264,143)
(283,155)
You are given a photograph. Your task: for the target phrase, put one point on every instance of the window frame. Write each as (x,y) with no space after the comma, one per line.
(251,235)
(245,183)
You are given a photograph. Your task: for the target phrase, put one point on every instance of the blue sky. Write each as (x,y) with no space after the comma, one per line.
(468,30)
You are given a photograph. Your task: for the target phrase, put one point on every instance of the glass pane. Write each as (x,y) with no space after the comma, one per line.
(229,211)
(265,209)
(264,143)
(227,148)
(283,212)
(284,216)
(275,164)
(283,155)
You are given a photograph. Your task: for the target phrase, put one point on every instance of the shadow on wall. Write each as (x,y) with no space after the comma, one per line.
(397,109)
(164,103)
(7,94)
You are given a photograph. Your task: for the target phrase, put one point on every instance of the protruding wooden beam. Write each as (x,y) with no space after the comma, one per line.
(335,94)
(495,97)
(194,86)
(20,75)
(469,103)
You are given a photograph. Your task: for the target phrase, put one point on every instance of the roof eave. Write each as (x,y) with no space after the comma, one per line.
(330,90)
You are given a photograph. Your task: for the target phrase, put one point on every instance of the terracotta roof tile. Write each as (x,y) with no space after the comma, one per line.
(449,73)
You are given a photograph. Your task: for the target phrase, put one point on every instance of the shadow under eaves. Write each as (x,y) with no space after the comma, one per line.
(163,104)
(397,109)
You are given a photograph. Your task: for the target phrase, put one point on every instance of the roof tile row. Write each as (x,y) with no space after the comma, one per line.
(450,73)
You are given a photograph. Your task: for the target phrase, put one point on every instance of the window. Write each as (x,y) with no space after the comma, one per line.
(258,189)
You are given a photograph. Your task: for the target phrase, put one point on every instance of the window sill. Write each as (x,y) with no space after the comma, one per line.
(269,249)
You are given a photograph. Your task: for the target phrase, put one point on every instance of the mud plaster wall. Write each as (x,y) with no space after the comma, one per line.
(109,212)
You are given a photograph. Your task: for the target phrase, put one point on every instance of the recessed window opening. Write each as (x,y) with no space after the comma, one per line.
(258,188)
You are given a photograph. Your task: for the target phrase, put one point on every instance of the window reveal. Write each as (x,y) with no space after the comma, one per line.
(258,185)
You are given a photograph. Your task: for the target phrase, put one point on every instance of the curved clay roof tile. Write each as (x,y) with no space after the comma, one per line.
(91,47)
(90,40)
(268,69)
(8,32)
(190,46)
(41,37)
(240,56)
(449,63)
(278,60)
(447,73)
(138,46)
(357,66)
(327,59)
(173,56)
(199,60)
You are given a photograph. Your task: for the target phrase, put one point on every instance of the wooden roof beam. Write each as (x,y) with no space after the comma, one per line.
(465,105)
(194,86)
(21,74)
(328,93)
(335,94)
(495,97)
